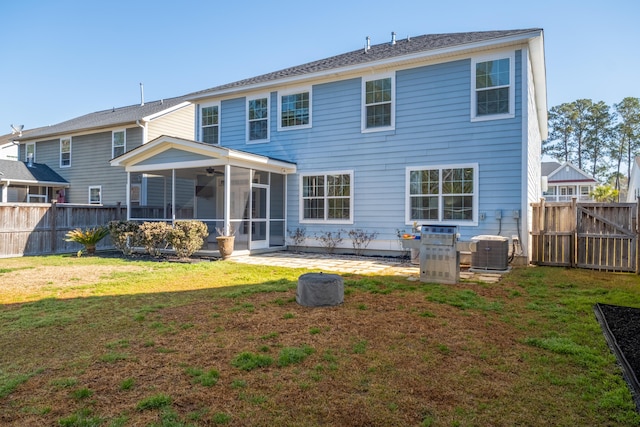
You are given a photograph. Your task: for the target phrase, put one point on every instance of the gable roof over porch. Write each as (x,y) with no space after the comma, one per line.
(168,152)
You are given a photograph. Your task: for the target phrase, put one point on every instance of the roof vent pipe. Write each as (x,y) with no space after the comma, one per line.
(141,94)
(367,46)
(393,38)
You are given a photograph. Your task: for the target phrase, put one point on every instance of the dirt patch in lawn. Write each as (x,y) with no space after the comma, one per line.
(33,280)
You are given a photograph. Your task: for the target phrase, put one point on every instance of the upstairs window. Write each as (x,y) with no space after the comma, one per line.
(378,112)
(210,124)
(327,198)
(493,94)
(30,151)
(442,194)
(258,119)
(294,110)
(65,152)
(118,143)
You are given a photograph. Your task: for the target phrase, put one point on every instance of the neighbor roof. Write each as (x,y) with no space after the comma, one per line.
(106,118)
(380,52)
(20,172)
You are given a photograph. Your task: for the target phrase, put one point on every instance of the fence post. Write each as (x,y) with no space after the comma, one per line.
(637,231)
(54,225)
(574,258)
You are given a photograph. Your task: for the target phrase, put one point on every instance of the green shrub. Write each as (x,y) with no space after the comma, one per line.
(153,236)
(186,237)
(124,235)
(89,237)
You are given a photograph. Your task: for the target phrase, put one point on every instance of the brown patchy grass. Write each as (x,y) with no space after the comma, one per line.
(396,353)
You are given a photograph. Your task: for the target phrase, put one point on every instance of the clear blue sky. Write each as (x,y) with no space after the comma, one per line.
(66,58)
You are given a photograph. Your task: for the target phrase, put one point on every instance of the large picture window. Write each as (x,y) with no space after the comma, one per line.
(327,197)
(65,152)
(378,103)
(258,119)
(493,94)
(294,109)
(442,194)
(210,124)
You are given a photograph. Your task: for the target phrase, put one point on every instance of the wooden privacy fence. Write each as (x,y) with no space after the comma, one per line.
(601,236)
(40,228)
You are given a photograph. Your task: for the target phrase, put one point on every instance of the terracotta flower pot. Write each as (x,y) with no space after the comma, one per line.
(225,245)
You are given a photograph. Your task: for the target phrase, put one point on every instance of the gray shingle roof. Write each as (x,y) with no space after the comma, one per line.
(379,52)
(549,167)
(19,171)
(105,118)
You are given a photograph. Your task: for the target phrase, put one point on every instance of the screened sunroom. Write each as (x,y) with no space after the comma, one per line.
(172,179)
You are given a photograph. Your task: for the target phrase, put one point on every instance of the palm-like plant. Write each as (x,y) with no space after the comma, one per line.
(88,237)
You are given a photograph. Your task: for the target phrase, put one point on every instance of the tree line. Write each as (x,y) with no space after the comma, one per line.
(597,138)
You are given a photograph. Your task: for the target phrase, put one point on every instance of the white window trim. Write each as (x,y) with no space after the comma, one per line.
(249,99)
(475,195)
(212,104)
(70,151)
(511,55)
(91,187)
(294,91)
(301,218)
(363,105)
(113,146)
(26,151)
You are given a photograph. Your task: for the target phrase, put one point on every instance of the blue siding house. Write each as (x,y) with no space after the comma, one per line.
(435,129)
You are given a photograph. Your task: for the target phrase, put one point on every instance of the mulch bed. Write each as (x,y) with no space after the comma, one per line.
(621,328)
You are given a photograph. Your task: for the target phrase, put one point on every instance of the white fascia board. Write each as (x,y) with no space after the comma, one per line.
(31,182)
(385,63)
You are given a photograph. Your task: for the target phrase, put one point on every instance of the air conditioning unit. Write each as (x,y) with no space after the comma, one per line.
(489,254)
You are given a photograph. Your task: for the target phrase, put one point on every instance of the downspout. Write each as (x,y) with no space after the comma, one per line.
(5,191)
(145,131)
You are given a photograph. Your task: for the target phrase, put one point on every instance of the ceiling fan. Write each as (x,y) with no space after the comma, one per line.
(211,171)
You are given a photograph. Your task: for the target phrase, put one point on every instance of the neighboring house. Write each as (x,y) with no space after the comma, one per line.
(633,192)
(30,182)
(564,182)
(436,129)
(79,150)
(8,149)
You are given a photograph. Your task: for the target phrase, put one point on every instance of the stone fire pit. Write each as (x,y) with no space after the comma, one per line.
(319,289)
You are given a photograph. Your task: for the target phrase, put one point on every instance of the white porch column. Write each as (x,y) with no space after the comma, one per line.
(227,198)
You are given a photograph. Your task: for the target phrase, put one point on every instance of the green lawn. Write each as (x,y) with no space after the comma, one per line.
(96,341)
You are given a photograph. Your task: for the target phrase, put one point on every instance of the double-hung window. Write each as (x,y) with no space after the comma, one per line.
(442,194)
(30,151)
(258,119)
(95,195)
(118,142)
(378,99)
(294,109)
(210,123)
(65,152)
(327,197)
(493,94)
